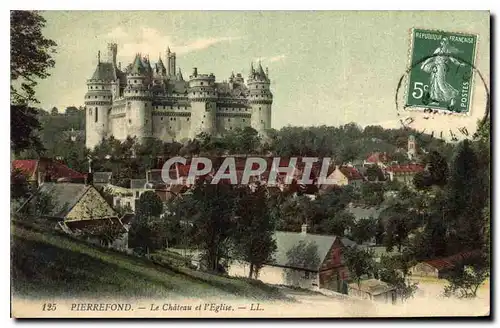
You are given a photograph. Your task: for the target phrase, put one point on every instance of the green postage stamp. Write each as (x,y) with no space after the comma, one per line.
(442,68)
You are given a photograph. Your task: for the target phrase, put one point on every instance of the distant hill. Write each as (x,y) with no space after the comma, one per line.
(48,264)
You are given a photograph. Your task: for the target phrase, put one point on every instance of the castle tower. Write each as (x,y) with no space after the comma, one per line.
(112,52)
(412,147)
(138,100)
(98,102)
(160,68)
(202,95)
(170,63)
(260,99)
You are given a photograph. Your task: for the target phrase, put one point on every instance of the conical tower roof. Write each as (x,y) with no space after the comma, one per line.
(179,76)
(161,66)
(261,72)
(137,66)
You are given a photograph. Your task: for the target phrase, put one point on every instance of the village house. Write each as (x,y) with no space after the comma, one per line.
(374,290)
(75,208)
(404,173)
(343,176)
(42,170)
(102,179)
(439,268)
(377,158)
(323,270)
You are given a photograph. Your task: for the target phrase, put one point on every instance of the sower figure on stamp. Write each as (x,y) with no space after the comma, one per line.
(437,66)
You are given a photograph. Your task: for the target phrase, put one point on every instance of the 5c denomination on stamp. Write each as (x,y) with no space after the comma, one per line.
(441,71)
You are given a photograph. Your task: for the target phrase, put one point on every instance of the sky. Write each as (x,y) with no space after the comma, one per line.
(326,67)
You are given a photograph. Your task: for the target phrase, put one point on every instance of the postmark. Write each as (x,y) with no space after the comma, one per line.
(442,72)
(457,118)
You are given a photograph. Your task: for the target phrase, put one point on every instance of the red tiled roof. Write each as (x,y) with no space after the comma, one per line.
(27,166)
(54,169)
(450,261)
(378,158)
(408,168)
(59,170)
(351,173)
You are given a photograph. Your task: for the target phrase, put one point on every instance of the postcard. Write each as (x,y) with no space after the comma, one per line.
(250,164)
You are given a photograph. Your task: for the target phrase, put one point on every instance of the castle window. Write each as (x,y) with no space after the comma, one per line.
(135,81)
(135,91)
(102,87)
(229,120)
(261,121)
(163,106)
(259,108)
(129,121)
(90,111)
(96,114)
(243,120)
(187,119)
(95,97)
(201,83)
(161,119)
(171,118)
(204,116)
(202,122)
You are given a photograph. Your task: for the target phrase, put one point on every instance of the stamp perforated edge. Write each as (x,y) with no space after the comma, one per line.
(409,68)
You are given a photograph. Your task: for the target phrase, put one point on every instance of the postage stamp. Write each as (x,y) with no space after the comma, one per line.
(442,67)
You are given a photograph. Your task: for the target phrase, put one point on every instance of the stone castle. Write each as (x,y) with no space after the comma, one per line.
(155,101)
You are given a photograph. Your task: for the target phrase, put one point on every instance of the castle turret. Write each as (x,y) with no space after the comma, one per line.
(112,52)
(160,68)
(260,99)
(138,100)
(203,95)
(98,101)
(170,63)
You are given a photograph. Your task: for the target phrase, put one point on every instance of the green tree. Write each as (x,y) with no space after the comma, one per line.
(363,230)
(253,236)
(359,262)
(466,195)
(148,229)
(302,255)
(466,278)
(210,208)
(71,110)
(30,59)
(24,127)
(372,194)
(30,54)
(394,270)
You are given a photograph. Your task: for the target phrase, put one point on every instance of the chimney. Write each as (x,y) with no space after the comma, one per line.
(89,178)
(304,229)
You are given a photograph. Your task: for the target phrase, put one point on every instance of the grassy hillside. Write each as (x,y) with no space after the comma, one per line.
(46,264)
